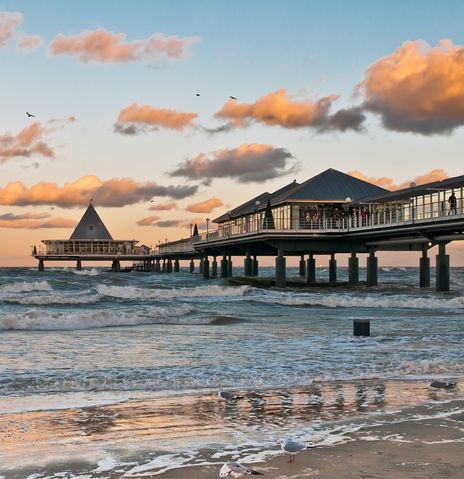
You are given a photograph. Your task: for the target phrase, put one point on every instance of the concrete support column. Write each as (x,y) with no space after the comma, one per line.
(332,269)
(224,267)
(280,270)
(205,268)
(372,269)
(116,266)
(248,265)
(192,266)
(214,267)
(157,266)
(302,267)
(176,266)
(311,269)
(41,265)
(200,266)
(442,268)
(164,266)
(353,269)
(78,265)
(255,266)
(169,266)
(229,269)
(424,269)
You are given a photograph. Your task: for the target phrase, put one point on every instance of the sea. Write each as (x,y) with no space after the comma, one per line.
(107,374)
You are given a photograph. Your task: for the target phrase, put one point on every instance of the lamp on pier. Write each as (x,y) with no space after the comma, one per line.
(207,227)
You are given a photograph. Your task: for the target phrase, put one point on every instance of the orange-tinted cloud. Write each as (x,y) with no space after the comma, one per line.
(113,192)
(137,118)
(418,88)
(9,22)
(29,43)
(34,221)
(103,46)
(247,163)
(205,206)
(31,140)
(148,221)
(277,108)
(389,183)
(163,206)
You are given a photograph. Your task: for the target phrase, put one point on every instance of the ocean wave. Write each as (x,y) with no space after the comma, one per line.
(49,299)
(86,272)
(25,287)
(345,301)
(132,292)
(51,320)
(427,367)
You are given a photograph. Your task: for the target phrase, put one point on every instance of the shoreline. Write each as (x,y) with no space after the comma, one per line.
(191,435)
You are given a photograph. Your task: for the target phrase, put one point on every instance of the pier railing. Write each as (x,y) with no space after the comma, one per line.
(179,246)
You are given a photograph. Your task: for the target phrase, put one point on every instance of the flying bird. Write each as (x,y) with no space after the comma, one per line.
(29,115)
(197,94)
(232,98)
(237,470)
(292,448)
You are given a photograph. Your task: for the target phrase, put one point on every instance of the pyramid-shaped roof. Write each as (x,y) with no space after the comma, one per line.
(330,185)
(91,227)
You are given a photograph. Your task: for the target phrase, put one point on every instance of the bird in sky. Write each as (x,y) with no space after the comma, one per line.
(292,448)
(237,470)
(30,115)
(232,98)
(197,94)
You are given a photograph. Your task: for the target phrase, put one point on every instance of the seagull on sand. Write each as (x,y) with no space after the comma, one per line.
(292,448)
(443,384)
(30,115)
(237,470)
(232,98)
(228,396)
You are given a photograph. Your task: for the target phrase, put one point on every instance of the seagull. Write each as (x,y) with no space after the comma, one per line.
(443,384)
(197,94)
(228,396)
(292,448)
(232,98)
(237,470)
(29,115)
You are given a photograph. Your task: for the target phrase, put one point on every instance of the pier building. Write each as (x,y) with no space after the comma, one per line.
(90,241)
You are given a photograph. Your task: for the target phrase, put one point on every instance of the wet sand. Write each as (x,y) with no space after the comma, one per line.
(363,428)
(412,448)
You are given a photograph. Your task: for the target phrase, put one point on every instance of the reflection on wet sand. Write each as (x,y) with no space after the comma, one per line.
(180,421)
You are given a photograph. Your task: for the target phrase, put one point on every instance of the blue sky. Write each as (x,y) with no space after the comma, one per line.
(245,48)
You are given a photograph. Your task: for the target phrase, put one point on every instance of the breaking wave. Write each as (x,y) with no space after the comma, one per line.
(345,301)
(86,272)
(24,287)
(50,320)
(132,292)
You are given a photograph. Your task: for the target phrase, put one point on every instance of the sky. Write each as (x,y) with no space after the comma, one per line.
(132,107)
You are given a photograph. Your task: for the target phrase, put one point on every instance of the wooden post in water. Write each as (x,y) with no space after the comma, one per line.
(255,266)
(424,268)
(332,269)
(353,269)
(372,269)
(361,327)
(302,267)
(224,267)
(442,268)
(214,267)
(311,269)
(280,270)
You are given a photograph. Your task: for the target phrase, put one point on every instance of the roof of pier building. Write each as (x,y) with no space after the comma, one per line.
(329,186)
(91,227)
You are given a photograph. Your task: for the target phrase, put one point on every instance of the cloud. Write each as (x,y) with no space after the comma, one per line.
(205,206)
(148,221)
(34,221)
(163,206)
(9,22)
(248,163)
(417,88)
(389,183)
(113,192)
(31,140)
(169,223)
(102,46)
(138,118)
(29,43)
(277,108)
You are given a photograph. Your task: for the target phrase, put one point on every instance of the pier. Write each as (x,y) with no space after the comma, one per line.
(330,214)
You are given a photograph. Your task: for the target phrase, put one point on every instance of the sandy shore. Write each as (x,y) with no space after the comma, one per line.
(412,446)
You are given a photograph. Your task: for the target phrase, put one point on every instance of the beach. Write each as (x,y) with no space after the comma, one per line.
(107,375)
